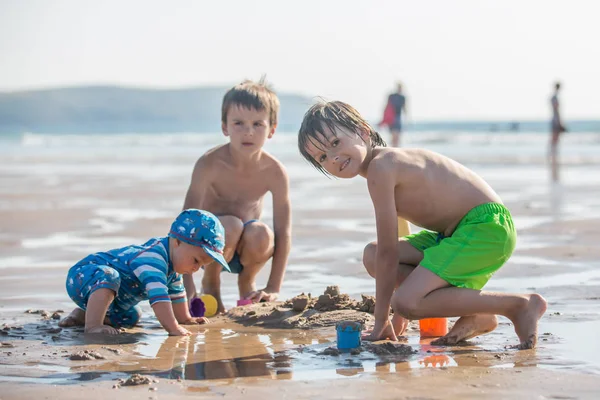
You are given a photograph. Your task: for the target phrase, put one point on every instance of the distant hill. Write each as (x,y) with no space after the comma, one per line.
(113,109)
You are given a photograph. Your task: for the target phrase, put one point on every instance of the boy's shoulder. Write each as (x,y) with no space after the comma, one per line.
(270,168)
(270,161)
(383,156)
(212,160)
(275,172)
(215,153)
(397,161)
(403,155)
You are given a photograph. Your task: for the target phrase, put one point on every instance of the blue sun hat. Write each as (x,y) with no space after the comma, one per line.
(203,229)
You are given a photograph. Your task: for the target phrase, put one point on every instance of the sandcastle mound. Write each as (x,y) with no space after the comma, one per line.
(305,312)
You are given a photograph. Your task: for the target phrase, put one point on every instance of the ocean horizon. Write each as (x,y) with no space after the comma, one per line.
(497,126)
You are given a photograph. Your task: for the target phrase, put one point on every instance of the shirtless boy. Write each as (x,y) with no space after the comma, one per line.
(231,181)
(440,271)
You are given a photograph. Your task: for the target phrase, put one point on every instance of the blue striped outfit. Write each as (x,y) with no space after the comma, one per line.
(135,273)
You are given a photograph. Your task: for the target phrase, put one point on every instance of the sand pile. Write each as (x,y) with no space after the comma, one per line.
(331,300)
(305,312)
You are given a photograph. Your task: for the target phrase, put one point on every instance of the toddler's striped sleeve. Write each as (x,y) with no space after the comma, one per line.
(177,290)
(151,268)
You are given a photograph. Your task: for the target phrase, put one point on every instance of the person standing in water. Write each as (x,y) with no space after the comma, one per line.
(556,127)
(398,103)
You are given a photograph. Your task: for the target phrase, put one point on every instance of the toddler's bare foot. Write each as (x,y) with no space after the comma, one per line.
(526,321)
(75,318)
(106,329)
(468,327)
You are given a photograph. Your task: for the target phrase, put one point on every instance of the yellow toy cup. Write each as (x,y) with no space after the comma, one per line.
(211,305)
(203,306)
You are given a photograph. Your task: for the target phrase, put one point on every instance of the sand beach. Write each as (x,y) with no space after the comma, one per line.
(64,196)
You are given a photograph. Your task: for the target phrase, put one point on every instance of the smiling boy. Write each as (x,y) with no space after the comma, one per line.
(440,271)
(231,181)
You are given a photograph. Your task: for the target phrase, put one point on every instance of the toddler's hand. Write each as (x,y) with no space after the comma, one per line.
(180,331)
(195,321)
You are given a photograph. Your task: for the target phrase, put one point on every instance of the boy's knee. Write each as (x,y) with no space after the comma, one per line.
(233,231)
(493,323)
(369,254)
(257,239)
(488,322)
(405,305)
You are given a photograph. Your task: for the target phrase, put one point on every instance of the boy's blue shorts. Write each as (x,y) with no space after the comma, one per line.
(87,276)
(235,265)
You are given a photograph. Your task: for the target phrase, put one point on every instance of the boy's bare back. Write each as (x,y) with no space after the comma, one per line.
(225,187)
(431,190)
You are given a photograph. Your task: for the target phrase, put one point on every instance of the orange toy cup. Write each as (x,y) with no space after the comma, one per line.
(433,327)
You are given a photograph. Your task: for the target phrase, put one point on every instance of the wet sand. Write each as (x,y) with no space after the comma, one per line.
(53,211)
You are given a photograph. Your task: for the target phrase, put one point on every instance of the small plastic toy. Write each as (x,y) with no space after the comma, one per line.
(203,306)
(433,327)
(348,335)
(243,302)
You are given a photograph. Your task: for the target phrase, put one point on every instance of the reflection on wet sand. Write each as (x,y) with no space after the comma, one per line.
(227,351)
(220,355)
(217,353)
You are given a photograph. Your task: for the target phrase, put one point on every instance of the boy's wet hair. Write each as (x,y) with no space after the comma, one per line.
(252,95)
(331,115)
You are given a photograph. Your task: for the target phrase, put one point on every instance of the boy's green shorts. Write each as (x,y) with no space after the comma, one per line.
(482,242)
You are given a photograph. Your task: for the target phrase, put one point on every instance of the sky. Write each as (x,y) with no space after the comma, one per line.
(463,59)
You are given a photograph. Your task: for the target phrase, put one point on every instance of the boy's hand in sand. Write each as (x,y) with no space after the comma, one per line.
(381,331)
(195,321)
(262,295)
(180,331)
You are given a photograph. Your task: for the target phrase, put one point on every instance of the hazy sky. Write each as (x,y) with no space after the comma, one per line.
(457,59)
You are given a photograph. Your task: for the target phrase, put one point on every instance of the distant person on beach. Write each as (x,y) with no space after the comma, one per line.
(438,272)
(392,115)
(107,286)
(231,181)
(556,128)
